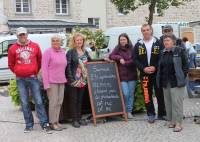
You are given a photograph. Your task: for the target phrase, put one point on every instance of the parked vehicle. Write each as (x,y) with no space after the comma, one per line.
(134,33)
(44,40)
(197,48)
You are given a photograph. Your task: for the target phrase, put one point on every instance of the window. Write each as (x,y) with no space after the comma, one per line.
(106,42)
(156,12)
(23,6)
(4,46)
(94,21)
(1,49)
(121,12)
(62,7)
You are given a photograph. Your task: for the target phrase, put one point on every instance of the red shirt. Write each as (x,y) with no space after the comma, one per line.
(24,60)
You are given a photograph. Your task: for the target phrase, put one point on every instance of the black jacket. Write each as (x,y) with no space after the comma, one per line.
(72,64)
(140,55)
(180,66)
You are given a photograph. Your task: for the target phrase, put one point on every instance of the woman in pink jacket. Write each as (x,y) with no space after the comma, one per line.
(54,63)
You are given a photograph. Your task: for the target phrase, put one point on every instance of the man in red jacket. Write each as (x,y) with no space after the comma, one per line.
(24,59)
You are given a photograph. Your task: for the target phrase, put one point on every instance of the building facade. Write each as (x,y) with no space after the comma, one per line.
(186,14)
(3,21)
(101,13)
(80,11)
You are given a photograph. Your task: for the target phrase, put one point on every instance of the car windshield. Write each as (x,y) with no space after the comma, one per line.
(1,49)
(106,41)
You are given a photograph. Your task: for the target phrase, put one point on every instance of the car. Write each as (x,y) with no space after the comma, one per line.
(197,48)
(134,33)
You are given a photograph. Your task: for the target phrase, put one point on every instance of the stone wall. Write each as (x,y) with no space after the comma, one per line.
(40,9)
(188,12)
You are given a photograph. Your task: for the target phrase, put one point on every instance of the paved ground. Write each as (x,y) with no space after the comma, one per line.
(3,90)
(137,130)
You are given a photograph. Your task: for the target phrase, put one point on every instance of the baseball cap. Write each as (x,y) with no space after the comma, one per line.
(21,30)
(167,27)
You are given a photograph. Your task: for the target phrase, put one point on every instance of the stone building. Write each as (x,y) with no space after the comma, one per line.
(44,15)
(101,13)
(189,14)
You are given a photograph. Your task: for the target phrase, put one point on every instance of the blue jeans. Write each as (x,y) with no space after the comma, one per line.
(32,84)
(192,61)
(128,89)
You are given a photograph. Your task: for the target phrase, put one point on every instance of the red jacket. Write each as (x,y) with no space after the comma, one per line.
(24,60)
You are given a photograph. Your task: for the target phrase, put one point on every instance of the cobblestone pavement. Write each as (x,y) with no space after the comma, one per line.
(137,130)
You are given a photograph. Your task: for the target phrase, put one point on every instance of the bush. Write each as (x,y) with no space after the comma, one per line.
(13,92)
(96,36)
(15,97)
(139,105)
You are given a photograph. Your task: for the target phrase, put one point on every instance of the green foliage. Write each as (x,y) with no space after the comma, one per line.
(77,29)
(89,35)
(139,104)
(131,5)
(97,36)
(13,92)
(99,39)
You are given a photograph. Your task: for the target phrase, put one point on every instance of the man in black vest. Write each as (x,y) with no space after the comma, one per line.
(146,57)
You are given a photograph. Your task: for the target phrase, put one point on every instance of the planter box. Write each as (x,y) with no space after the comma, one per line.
(194,74)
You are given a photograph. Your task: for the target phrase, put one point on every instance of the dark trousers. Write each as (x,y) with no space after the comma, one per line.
(148,85)
(76,95)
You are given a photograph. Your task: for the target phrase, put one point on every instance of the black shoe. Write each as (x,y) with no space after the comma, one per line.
(151,119)
(47,128)
(28,129)
(83,122)
(161,118)
(75,124)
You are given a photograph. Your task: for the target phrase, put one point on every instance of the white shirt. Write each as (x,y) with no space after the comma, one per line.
(148,45)
(88,49)
(190,48)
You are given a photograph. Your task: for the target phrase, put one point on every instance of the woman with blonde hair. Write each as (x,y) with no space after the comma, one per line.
(77,57)
(53,73)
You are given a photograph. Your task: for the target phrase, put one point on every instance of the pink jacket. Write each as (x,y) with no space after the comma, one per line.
(54,63)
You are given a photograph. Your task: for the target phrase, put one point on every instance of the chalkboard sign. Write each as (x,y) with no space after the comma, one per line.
(105,90)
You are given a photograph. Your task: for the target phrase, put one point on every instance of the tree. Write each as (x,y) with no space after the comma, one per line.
(131,5)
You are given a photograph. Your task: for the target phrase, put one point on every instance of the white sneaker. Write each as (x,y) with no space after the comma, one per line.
(129,115)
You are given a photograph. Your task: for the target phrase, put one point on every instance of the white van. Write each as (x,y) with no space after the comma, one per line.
(134,33)
(44,40)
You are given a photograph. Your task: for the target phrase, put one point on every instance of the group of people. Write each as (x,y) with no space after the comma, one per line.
(162,65)
(25,60)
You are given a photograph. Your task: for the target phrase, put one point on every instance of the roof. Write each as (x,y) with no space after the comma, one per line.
(194,23)
(45,24)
